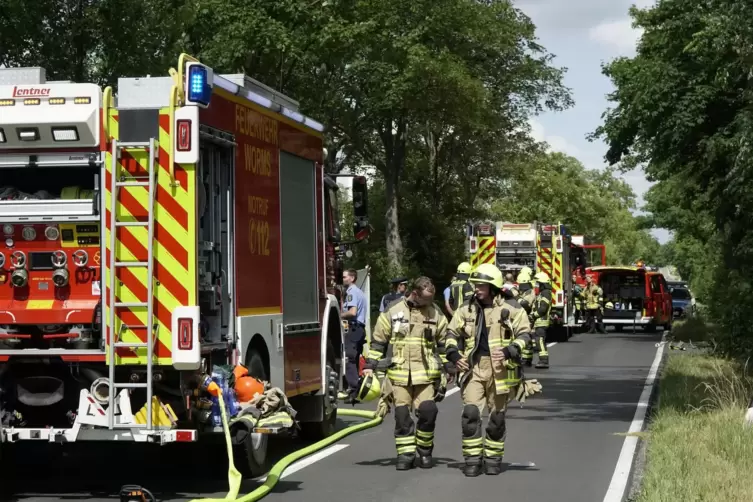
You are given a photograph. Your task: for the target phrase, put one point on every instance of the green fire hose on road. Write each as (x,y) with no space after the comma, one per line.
(275,473)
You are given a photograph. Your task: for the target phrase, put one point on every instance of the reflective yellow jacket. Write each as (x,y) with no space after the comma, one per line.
(592,296)
(417,336)
(507,327)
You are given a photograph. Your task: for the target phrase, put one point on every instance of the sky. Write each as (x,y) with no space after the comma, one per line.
(583,34)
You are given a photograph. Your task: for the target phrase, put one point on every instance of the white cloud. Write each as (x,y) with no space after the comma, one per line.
(556,143)
(617,34)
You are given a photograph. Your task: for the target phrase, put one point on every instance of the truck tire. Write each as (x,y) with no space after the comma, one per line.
(251,457)
(320,430)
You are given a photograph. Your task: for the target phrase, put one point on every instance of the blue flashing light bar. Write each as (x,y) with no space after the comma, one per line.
(198,85)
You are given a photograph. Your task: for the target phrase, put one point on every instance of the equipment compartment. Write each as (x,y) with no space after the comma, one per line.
(29,193)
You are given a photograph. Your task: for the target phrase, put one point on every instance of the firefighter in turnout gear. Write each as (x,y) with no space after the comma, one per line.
(416,329)
(485,339)
(526,296)
(460,289)
(542,306)
(593,296)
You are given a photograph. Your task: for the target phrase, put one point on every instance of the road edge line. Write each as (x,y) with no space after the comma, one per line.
(621,475)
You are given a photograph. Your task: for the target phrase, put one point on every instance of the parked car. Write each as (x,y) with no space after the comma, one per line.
(637,297)
(683,302)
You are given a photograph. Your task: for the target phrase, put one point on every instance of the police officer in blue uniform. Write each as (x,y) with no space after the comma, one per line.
(400,284)
(354,317)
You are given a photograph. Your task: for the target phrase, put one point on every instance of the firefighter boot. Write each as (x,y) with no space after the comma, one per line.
(405,439)
(472,470)
(427,419)
(405,462)
(543,362)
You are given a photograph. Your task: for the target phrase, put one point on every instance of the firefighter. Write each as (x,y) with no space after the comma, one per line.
(593,296)
(354,317)
(416,329)
(577,300)
(399,284)
(526,296)
(542,306)
(485,339)
(460,289)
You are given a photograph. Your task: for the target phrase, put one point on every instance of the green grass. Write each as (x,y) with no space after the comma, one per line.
(698,446)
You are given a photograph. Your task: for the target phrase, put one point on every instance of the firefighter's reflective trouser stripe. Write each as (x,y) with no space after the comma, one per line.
(478,392)
(539,341)
(419,437)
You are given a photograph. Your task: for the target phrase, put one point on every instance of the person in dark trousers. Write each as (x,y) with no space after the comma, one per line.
(354,321)
(399,285)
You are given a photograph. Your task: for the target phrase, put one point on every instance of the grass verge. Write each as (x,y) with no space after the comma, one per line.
(698,448)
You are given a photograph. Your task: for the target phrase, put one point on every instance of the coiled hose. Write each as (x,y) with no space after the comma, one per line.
(273,477)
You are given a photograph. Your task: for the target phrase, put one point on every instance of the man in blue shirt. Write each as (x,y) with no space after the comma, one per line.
(354,317)
(400,284)
(447,297)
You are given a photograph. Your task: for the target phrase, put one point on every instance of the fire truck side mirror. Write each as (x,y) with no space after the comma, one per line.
(361,227)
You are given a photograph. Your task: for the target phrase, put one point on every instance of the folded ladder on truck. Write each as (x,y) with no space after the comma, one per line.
(122,180)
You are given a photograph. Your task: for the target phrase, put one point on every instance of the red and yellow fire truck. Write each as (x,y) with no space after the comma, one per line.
(187,222)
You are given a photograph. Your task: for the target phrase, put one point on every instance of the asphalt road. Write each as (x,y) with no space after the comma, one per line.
(562,445)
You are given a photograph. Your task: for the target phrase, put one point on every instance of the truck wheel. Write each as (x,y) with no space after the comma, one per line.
(320,430)
(251,456)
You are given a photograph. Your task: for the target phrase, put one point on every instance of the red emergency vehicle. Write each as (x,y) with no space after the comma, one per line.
(148,237)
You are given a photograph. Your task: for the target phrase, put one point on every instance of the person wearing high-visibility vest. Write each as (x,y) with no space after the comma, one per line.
(460,289)
(416,329)
(542,307)
(484,341)
(526,297)
(593,297)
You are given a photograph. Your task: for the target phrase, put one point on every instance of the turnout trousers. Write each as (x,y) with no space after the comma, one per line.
(479,391)
(414,437)
(539,346)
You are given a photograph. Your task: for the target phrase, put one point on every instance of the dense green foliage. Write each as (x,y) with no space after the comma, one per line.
(683,110)
(436,95)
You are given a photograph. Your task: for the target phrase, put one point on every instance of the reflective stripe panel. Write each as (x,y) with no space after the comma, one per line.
(473,447)
(174,246)
(405,445)
(425,439)
(485,253)
(493,448)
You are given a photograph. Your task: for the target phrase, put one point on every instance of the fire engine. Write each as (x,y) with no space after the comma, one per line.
(542,247)
(147,237)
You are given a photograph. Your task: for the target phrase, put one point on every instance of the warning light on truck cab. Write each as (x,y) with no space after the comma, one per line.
(2,136)
(198,84)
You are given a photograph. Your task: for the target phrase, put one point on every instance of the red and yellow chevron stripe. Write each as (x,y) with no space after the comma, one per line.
(174,247)
(486,252)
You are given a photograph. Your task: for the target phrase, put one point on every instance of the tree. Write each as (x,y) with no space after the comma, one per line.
(393,71)
(682,108)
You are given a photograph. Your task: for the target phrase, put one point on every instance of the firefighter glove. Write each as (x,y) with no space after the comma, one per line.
(526,389)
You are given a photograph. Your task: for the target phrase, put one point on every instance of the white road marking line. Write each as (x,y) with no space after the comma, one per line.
(551,344)
(307,461)
(452,391)
(521,464)
(621,474)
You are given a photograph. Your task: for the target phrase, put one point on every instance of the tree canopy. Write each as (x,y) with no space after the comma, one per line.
(682,110)
(435,95)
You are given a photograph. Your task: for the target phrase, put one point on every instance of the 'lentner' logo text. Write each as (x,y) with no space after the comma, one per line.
(31,92)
